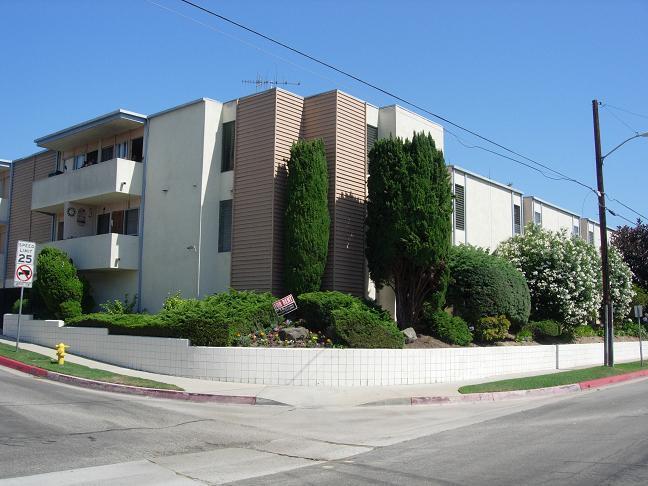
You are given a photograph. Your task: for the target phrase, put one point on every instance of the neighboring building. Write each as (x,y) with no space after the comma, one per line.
(5,202)
(486,212)
(550,217)
(191,199)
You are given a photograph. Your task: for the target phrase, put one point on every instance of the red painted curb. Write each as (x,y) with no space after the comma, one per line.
(608,380)
(132,390)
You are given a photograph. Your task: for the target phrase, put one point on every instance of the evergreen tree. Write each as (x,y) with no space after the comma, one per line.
(307,218)
(409,225)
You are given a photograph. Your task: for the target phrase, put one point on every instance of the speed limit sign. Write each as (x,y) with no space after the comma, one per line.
(24,273)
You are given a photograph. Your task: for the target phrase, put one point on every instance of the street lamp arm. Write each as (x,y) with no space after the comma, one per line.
(645,134)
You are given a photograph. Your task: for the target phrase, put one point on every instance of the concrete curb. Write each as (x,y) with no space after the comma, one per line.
(496,396)
(134,390)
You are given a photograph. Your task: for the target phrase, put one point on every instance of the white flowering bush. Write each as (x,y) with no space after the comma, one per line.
(621,290)
(564,276)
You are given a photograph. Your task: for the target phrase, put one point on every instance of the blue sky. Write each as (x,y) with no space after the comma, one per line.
(520,72)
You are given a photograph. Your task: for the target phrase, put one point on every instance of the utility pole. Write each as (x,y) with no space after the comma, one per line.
(606,304)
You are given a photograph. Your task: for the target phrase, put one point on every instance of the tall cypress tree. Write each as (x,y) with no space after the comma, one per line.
(307,218)
(409,225)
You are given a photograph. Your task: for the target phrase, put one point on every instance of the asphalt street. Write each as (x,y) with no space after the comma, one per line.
(57,434)
(597,438)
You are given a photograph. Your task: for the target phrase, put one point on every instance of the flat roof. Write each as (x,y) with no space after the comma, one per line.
(103,125)
(484,178)
(547,203)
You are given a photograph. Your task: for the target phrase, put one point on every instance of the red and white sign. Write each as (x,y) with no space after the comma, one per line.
(25,256)
(285,305)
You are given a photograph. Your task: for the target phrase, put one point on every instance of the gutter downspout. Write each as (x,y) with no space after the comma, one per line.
(141,218)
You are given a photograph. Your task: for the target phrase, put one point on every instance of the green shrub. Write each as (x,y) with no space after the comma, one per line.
(358,327)
(583,331)
(483,285)
(545,328)
(525,335)
(26,308)
(88,303)
(316,307)
(629,328)
(120,307)
(128,324)
(70,309)
(307,219)
(449,329)
(489,329)
(57,282)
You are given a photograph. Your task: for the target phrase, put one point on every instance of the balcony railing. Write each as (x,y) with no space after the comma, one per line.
(109,181)
(109,251)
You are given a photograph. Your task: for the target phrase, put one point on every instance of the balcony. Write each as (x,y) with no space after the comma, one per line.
(110,251)
(106,182)
(4,210)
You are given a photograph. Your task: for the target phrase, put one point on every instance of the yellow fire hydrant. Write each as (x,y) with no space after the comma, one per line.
(60,352)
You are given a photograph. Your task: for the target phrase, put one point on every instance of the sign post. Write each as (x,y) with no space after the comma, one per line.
(638,312)
(23,275)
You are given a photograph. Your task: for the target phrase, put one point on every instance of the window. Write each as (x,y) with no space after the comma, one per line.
(79,161)
(227,155)
(537,218)
(137,149)
(122,150)
(225,226)
(517,219)
(92,157)
(68,164)
(575,230)
(59,230)
(103,223)
(590,237)
(372,136)
(132,221)
(107,153)
(460,208)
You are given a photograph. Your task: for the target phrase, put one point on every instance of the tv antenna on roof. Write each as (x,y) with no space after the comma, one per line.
(259,82)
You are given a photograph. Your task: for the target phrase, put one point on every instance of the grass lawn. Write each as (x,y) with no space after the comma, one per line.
(42,361)
(552,379)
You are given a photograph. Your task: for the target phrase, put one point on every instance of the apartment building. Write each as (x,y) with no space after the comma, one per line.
(191,199)
(486,212)
(550,216)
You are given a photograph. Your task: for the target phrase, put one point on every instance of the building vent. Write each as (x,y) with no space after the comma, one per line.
(517,219)
(460,208)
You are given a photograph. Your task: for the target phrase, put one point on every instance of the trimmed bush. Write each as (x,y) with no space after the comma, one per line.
(57,283)
(126,324)
(357,327)
(483,285)
(316,307)
(70,309)
(490,329)
(449,329)
(307,218)
(545,329)
(583,331)
(524,336)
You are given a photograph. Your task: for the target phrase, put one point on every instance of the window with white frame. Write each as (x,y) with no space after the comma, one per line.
(575,230)
(122,150)
(79,161)
(590,237)
(517,219)
(537,218)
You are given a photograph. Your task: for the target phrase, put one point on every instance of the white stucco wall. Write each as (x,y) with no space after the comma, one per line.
(111,284)
(396,121)
(488,210)
(553,217)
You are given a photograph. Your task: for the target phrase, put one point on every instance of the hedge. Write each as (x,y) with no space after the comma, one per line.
(483,285)
(126,324)
(490,329)
(357,327)
(316,308)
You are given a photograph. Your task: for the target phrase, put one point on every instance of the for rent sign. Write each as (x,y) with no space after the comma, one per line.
(285,305)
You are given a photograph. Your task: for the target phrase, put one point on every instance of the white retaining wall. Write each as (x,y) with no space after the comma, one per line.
(312,367)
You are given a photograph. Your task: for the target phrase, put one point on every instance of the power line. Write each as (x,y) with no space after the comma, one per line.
(401,99)
(627,111)
(620,120)
(629,208)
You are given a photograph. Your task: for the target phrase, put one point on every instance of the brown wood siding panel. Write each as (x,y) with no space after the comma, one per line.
(23,223)
(350,195)
(319,120)
(253,193)
(288,120)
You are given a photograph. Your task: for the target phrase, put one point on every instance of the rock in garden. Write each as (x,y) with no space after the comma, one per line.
(410,335)
(293,333)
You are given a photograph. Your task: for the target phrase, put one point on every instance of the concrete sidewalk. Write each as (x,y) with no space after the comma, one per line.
(296,396)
